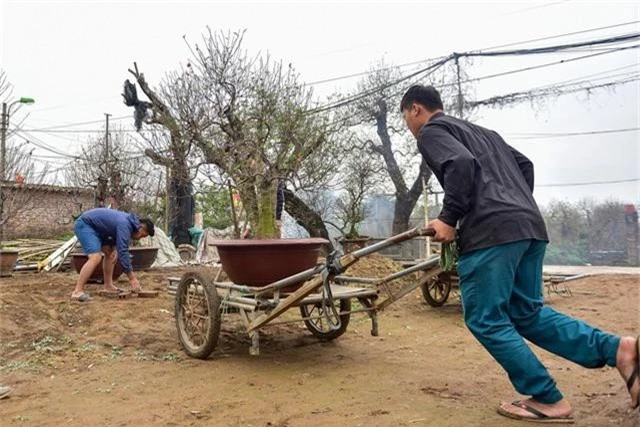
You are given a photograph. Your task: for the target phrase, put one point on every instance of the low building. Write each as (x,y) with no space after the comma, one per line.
(41,211)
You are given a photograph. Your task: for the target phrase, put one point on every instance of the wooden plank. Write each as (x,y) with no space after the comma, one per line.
(287,302)
(59,255)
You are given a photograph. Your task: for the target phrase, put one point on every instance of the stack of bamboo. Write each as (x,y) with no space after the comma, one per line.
(31,251)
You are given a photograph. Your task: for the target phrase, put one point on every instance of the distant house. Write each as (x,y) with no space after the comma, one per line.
(42,211)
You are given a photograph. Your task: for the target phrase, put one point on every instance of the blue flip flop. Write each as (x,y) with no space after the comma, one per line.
(81,298)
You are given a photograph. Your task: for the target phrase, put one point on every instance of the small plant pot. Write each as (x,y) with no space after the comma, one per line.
(8,259)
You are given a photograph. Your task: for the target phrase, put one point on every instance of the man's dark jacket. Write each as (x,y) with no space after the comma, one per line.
(488,185)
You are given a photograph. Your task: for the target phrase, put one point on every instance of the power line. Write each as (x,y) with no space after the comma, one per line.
(514,97)
(57,131)
(430,69)
(67,125)
(43,146)
(86,101)
(540,50)
(569,134)
(364,73)
(575,184)
(557,36)
(548,64)
(540,6)
(555,48)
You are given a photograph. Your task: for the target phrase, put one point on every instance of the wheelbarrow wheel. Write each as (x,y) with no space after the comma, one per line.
(319,326)
(197,311)
(436,289)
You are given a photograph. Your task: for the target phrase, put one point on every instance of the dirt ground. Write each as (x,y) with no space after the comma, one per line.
(119,363)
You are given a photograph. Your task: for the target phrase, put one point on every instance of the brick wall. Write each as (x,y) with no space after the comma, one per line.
(42,211)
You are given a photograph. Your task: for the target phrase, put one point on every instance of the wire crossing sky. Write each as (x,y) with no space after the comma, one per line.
(75,63)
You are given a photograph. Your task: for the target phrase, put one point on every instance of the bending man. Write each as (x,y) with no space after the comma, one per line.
(100,230)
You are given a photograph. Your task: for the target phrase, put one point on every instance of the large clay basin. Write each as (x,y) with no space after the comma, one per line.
(78,259)
(141,259)
(8,259)
(261,262)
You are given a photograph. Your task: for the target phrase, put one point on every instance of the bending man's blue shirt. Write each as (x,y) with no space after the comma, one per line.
(114,226)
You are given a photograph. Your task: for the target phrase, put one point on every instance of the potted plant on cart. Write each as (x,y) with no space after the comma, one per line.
(255,126)
(253,120)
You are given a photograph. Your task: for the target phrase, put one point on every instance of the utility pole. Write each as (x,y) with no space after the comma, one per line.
(3,137)
(426,217)
(167,203)
(106,148)
(3,150)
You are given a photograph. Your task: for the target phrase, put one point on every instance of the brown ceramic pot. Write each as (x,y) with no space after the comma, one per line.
(261,262)
(79,259)
(8,259)
(141,259)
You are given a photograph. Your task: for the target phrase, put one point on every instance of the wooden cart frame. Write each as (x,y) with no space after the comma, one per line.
(324,300)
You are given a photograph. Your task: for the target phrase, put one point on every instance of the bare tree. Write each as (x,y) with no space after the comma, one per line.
(125,174)
(169,141)
(391,141)
(360,177)
(252,119)
(385,134)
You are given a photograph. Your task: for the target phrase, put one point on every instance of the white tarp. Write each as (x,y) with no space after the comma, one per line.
(207,253)
(168,255)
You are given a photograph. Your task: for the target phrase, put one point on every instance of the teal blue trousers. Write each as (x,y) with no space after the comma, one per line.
(502,299)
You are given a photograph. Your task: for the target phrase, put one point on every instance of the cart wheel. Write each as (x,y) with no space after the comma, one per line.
(318,326)
(197,313)
(436,289)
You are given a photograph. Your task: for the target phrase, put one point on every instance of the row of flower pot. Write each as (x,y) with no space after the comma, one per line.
(141,259)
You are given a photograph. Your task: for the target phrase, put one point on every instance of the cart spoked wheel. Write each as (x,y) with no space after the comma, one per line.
(319,326)
(436,289)
(197,313)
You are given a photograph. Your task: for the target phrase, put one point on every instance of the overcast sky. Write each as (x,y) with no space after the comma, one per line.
(72,57)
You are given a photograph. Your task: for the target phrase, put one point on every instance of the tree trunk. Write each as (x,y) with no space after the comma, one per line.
(306,217)
(181,207)
(406,202)
(402,214)
(406,198)
(266,224)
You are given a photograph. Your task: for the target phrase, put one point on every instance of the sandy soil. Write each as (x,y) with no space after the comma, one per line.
(119,363)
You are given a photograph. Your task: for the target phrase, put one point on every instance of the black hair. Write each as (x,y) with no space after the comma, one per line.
(427,96)
(148,224)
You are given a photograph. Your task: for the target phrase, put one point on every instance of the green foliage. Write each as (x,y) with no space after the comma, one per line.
(566,254)
(215,204)
(151,209)
(586,232)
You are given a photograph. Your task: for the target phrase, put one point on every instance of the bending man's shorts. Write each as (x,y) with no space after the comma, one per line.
(89,238)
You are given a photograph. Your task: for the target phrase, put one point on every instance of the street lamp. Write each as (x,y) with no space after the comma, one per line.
(6,112)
